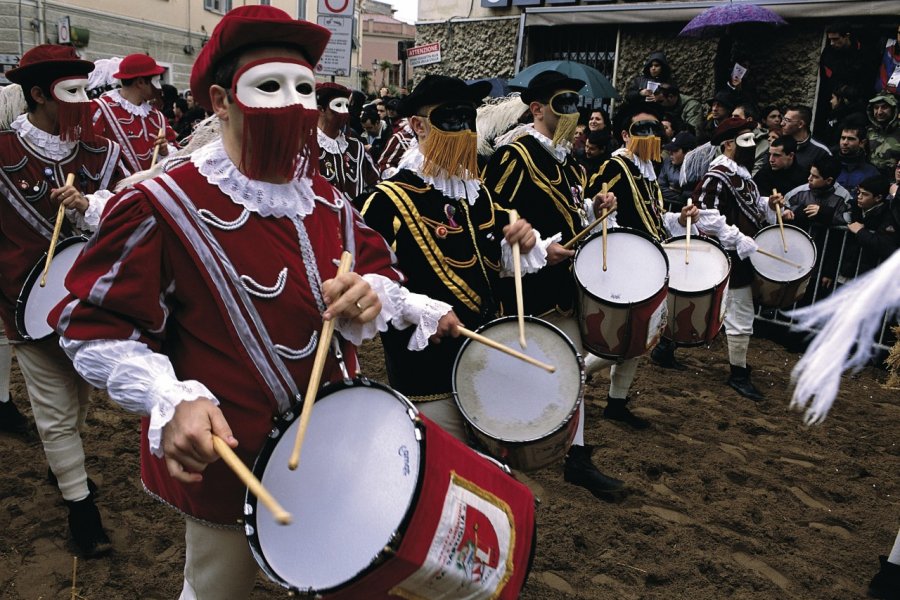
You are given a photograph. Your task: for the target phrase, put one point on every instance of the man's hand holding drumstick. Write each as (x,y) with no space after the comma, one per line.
(70,197)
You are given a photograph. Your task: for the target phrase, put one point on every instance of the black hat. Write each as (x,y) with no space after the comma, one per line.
(545,83)
(627,111)
(685,141)
(438,89)
(725,98)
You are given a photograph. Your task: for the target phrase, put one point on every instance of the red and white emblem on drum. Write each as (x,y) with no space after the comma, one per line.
(470,556)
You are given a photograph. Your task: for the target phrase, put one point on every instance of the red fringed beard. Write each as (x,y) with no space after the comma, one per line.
(279,143)
(341,120)
(75,121)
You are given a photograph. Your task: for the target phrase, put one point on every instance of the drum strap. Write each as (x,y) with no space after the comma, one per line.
(415,223)
(237,308)
(744,196)
(649,209)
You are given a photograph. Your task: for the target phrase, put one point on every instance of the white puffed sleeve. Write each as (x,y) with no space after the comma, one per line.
(712,223)
(532,262)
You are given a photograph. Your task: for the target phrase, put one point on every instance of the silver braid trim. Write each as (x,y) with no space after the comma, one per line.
(261,291)
(211,219)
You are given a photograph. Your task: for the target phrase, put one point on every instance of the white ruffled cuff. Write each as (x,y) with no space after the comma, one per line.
(424,312)
(90,220)
(356,333)
(532,262)
(674,227)
(139,380)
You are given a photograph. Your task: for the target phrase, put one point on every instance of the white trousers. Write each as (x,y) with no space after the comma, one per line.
(218,564)
(59,399)
(739,313)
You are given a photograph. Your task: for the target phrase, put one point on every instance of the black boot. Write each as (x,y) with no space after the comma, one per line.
(11,420)
(886,583)
(740,381)
(87,528)
(92,487)
(580,471)
(663,355)
(617,410)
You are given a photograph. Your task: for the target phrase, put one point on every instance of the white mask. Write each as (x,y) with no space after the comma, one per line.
(745,140)
(71,90)
(340,105)
(275,84)
(156,82)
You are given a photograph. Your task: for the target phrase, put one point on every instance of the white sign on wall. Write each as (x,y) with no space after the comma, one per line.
(424,55)
(339,8)
(336,59)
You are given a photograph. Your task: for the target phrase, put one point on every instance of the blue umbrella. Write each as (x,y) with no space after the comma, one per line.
(716,19)
(596,83)
(499,89)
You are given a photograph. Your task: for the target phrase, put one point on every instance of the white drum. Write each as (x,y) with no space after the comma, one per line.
(521,414)
(780,283)
(621,311)
(698,289)
(35,302)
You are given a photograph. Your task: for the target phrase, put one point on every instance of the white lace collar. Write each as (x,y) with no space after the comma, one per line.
(139,111)
(452,187)
(644,166)
(336,145)
(731,166)
(559,152)
(295,198)
(43,143)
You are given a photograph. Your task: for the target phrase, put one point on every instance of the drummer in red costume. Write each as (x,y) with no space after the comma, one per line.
(343,161)
(200,302)
(126,116)
(46,144)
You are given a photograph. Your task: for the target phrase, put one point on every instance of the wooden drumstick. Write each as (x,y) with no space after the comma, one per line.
(517,269)
(60,215)
(605,212)
(249,479)
(780,222)
(687,239)
(162,132)
(568,245)
(506,349)
(780,259)
(316,376)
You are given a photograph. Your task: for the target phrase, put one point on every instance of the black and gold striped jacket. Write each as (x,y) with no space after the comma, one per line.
(449,251)
(524,176)
(639,200)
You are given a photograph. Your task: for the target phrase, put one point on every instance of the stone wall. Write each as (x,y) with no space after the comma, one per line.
(471,49)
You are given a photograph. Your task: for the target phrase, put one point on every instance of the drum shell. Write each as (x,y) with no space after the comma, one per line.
(683,305)
(641,323)
(543,450)
(774,293)
(443,461)
(55,278)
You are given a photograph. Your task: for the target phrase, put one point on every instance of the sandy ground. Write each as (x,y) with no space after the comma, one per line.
(728,498)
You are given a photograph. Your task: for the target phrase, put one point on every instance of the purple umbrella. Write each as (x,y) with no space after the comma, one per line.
(715,19)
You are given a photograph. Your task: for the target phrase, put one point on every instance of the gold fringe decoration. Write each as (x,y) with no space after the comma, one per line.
(647,147)
(565,128)
(893,362)
(453,153)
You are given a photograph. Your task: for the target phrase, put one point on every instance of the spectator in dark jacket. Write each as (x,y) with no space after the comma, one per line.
(376,133)
(846,106)
(674,196)
(795,123)
(782,173)
(821,200)
(656,70)
(596,151)
(843,62)
(874,226)
(852,153)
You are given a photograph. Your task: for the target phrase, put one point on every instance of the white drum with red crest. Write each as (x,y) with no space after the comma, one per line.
(520,413)
(387,505)
(780,283)
(698,289)
(621,311)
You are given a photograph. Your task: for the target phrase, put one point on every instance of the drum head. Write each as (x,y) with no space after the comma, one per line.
(511,400)
(635,267)
(353,489)
(801,250)
(707,265)
(36,302)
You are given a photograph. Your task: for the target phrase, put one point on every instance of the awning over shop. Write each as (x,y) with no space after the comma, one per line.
(659,12)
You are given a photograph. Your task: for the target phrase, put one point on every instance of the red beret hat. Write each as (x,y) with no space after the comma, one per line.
(729,129)
(138,65)
(254,26)
(47,63)
(326,92)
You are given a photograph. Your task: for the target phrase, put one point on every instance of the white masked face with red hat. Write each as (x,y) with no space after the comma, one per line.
(73,107)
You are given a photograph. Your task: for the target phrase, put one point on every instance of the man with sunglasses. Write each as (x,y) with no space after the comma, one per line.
(343,161)
(446,234)
(728,188)
(537,176)
(43,146)
(127,116)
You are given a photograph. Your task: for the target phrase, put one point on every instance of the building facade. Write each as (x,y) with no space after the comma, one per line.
(382,35)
